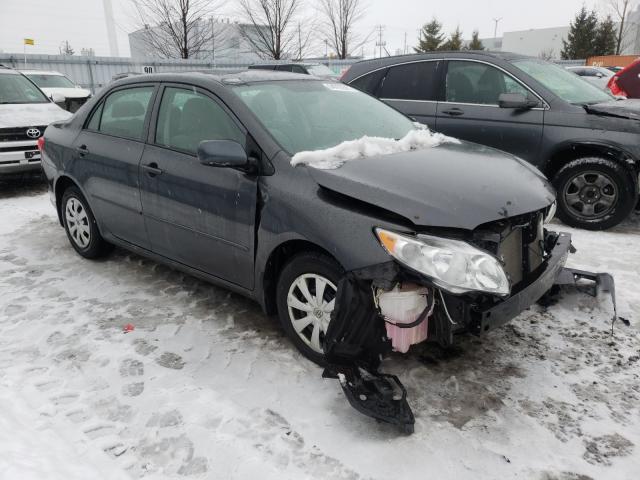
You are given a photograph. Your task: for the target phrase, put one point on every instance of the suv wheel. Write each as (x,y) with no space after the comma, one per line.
(306,294)
(594,193)
(80,225)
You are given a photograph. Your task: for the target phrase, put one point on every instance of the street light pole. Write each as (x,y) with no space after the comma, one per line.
(495,30)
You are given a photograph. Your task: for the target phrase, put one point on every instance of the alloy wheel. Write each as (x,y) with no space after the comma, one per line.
(310,301)
(590,195)
(77,222)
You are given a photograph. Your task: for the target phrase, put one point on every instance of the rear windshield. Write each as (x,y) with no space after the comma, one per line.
(569,87)
(314,115)
(18,89)
(50,81)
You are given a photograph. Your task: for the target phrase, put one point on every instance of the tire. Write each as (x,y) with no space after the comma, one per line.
(310,269)
(80,225)
(594,193)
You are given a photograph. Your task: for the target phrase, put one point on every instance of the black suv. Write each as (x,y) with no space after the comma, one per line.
(582,138)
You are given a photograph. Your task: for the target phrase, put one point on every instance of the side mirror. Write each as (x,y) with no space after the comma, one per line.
(57,98)
(516,101)
(225,154)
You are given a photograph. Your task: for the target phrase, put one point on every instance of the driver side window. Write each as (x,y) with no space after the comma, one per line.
(187,118)
(479,83)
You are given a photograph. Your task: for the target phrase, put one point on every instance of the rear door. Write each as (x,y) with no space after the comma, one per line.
(470,109)
(107,154)
(413,88)
(198,215)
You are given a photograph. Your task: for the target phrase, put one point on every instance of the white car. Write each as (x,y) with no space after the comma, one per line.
(598,76)
(25,112)
(56,83)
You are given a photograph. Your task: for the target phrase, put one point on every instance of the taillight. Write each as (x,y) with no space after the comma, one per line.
(615,88)
(40,144)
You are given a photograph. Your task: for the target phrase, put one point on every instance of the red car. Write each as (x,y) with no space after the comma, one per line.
(626,82)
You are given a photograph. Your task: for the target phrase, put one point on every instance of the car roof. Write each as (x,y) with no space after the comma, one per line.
(365,66)
(268,64)
(8,70)
(41,72)
(226,78)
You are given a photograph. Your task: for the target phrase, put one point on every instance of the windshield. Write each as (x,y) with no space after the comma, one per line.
(17,89)
(51,81)
(314,115)
(321,70)
(563,83)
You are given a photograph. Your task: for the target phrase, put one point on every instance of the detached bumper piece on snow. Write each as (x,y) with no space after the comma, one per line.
(357,338)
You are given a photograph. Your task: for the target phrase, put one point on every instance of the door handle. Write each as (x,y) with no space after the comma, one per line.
(152,169)
(82,150)
(454,112)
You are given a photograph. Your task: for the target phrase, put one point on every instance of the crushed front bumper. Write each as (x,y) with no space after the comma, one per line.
(490,318)
(356,339)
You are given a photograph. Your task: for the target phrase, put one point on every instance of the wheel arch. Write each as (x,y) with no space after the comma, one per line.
(570,151)
(62,183)
(277,259)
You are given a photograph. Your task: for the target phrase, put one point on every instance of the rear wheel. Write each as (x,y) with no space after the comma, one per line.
(306,294)
(80,225)
(594,193)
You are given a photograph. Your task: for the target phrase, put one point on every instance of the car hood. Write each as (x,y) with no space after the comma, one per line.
(68,92)
(453,185)
(617,108)
(30,114)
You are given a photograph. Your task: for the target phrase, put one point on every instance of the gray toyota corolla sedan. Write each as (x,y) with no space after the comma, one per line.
(418,237)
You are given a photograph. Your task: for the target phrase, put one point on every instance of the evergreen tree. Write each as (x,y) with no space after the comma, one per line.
(581,37)
(475,43)
(606,37)
(455,41)
(431,37)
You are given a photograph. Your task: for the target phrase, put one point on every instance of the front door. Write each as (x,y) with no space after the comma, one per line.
(471,112)
(197,215)
(107,155)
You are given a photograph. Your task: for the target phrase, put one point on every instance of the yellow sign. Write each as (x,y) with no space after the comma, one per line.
(29,41)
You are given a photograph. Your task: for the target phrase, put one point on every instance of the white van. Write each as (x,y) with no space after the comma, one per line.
(25,112)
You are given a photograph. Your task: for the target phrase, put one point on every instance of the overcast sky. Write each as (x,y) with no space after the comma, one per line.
(81,22)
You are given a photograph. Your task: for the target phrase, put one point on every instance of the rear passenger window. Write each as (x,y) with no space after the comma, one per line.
(413,81)
(187,118)
(123,113)
(369,83)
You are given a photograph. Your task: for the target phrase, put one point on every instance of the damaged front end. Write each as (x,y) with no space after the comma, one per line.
(390,307)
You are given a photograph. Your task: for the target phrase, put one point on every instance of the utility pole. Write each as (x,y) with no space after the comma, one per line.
(213,44)
(405,43)
(495,30)
(299,42)
(380,43)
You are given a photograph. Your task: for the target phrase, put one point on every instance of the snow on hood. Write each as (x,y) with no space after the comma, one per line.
(334,157)
(29,115)
(67,92)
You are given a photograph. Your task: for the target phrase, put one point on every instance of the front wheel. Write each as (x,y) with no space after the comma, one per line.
(306,295)
(594,193)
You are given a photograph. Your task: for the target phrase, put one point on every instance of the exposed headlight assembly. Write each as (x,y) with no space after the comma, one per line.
(551,213)
(452,265)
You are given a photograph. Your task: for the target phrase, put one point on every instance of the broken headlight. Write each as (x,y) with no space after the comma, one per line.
(452,265)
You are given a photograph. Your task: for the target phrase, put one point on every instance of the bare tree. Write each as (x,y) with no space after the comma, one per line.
(176,28)
(270,27)
(340,17)
(621,10)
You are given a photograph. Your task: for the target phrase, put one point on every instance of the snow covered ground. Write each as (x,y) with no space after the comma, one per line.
(207,387)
